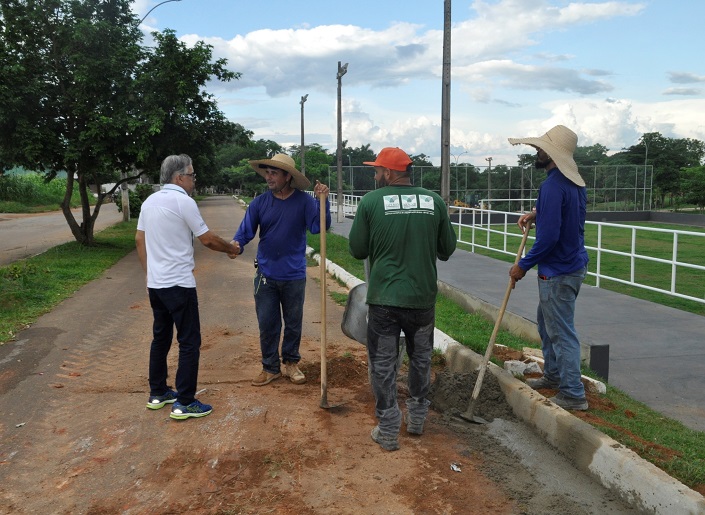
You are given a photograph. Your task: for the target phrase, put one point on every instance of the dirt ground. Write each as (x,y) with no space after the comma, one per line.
(75,436)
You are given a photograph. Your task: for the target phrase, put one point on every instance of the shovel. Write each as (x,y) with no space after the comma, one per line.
(469,412)
(324,355)
(354,323)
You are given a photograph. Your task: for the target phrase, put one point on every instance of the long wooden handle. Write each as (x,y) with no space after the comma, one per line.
(498,322)
(324,360)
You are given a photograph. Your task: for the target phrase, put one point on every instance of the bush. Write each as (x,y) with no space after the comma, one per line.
(32,189)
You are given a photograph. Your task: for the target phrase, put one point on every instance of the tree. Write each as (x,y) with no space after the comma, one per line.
(76,97)
(668,156)
(183,116)
(590,156)
(67,71)
(693,184)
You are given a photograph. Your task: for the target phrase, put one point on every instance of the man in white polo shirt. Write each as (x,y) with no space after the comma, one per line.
(168,221)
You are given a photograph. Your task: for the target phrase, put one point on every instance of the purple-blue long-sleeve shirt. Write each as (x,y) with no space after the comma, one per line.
(282,224)
(560,228)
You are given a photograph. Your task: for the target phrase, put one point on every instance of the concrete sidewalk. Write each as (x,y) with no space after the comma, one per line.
(656,353)
(654,357)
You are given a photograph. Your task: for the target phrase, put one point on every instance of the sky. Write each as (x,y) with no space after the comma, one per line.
(609,70)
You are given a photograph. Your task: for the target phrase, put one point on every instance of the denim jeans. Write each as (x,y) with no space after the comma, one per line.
(384,327)
(274,300)
(559,340)
(175,306)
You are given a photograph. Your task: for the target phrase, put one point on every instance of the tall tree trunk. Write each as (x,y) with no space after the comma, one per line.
(83,232)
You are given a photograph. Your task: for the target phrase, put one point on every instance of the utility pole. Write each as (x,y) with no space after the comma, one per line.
(303,149)
(445,106)
(342,70)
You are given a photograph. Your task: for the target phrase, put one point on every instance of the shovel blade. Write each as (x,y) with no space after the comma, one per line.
(354,324)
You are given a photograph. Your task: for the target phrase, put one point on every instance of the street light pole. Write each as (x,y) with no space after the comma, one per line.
(124,191)
(352,189)
(445,104)
(303,148)
(342,70)
(153,8)
(489,186)
(521,208)
(646,155)
(457,189)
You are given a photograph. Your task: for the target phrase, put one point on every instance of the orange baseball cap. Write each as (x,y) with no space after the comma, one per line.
(393,158)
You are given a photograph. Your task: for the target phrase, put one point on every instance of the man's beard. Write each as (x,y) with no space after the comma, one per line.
(382,182)
(542,163)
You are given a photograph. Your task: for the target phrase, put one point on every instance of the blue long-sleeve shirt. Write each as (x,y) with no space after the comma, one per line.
(560,227)
(281,254)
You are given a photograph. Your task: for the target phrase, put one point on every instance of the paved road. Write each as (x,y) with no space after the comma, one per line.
(26,235)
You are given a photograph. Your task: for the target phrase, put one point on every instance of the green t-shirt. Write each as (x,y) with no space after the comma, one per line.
(402,230)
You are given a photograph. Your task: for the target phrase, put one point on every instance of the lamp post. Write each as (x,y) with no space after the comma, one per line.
(521,208)
(457,189)
(646,155)
(342,70)
(489,184)
(153,8)
(124,191)
(303,149)
(352,189)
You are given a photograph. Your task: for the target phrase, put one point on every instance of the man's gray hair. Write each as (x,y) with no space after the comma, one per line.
(172,166)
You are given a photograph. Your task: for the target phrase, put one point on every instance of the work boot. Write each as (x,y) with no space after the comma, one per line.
(569,403)
(388,443)
(413,426)
(542,382)
(292,371)
(264,378)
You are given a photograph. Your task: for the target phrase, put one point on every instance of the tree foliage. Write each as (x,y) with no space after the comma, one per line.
(80,94)
(693,185)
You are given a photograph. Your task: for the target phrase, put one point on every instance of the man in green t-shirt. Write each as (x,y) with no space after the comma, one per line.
(401,229)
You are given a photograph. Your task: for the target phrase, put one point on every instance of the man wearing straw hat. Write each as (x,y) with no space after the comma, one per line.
(282,214)
(402,229)
(559,251)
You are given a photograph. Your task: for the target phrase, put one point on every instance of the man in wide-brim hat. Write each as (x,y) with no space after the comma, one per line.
(559,251)
(282,215)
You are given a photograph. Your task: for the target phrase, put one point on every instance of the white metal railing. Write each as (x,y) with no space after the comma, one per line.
(350,203)
(476,227)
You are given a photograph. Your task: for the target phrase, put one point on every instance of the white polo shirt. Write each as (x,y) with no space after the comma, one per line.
(170,219)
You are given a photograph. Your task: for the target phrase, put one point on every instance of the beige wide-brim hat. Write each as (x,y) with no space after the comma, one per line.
(283,162)
(559,143)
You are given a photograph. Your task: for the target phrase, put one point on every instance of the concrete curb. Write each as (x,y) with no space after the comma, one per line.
(636,481)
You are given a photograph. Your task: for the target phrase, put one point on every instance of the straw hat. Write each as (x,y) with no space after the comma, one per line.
(283,162)
(559,143)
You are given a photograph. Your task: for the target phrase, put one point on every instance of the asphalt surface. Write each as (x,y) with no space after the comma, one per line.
(656,353)
(26,235)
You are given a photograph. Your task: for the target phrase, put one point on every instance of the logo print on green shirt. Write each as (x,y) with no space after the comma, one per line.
(391,202)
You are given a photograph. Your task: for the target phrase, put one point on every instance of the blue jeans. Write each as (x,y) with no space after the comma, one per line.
(175,306)
(274,300)
(559,340)
(384,327)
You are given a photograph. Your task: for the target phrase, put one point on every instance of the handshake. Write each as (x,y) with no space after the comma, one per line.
(235,252)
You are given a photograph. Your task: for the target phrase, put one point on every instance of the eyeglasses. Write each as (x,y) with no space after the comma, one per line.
(192,175)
